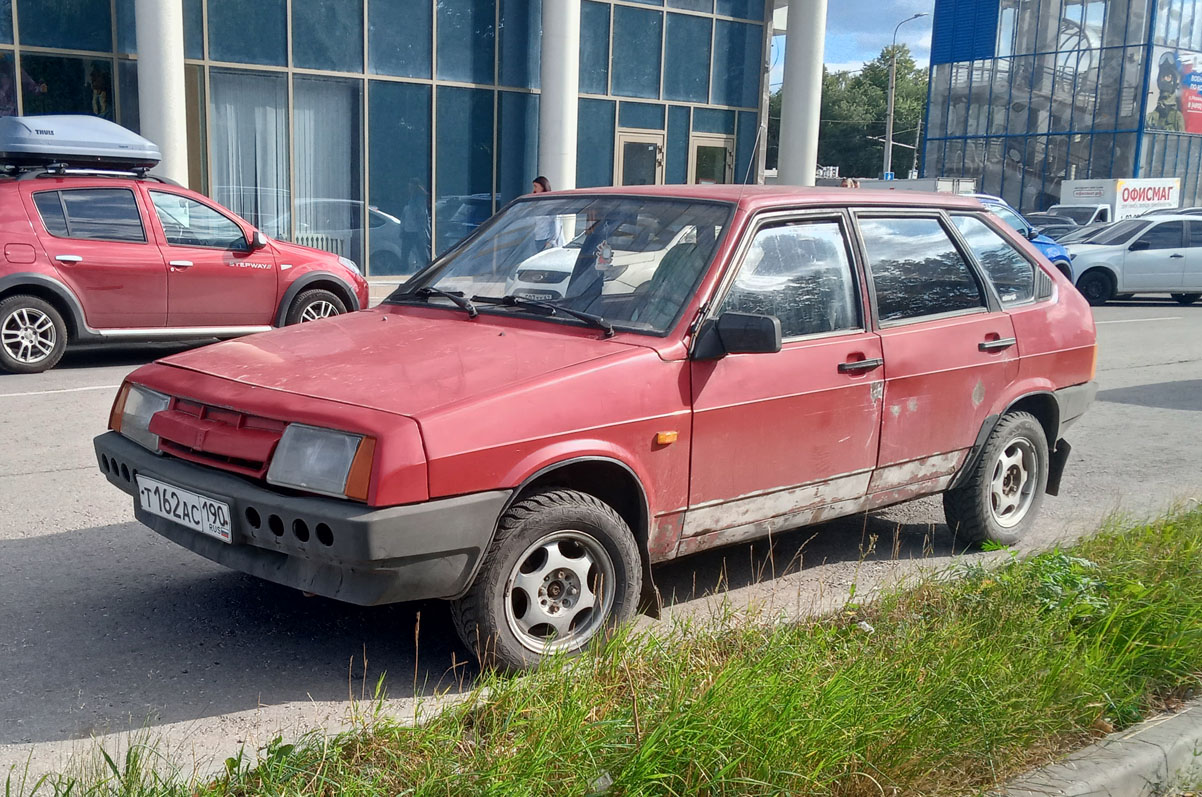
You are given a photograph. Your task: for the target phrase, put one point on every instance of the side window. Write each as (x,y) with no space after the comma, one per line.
(1162,236)
(1011,273)
(102,214)
(916,269)
(50,208)
(187,222)
(1195,233)
(800,273)
(1010,218)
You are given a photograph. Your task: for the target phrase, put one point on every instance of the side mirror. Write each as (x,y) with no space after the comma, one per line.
(1032,233)
(738,333)
(1139,246)
(257,240)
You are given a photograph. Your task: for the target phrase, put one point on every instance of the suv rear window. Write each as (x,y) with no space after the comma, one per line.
(1011,273)
(99,214)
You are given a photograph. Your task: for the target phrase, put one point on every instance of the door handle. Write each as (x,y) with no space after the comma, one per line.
(181,263)
(996,345)
(1176,256)
(855,366)
(68,258)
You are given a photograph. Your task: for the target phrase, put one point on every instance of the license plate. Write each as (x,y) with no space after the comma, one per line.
(185,507)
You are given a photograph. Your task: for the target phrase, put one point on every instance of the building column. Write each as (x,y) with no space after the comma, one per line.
(560,81)
(161,107)
(801,100)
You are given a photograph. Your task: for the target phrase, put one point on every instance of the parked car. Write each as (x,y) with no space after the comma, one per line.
(805,354)
(1054,227)
(1083,234)
(1147,254)
(1053,251)
(94,256)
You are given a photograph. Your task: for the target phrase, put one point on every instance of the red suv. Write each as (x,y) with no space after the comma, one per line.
(94,257)
(795,355)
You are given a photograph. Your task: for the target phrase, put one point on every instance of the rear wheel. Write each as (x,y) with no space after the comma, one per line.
(1186,298)
(314,305)
(1002,495)
(1096,286)
(33,336)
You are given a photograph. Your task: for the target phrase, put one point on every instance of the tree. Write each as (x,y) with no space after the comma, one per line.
(854,110)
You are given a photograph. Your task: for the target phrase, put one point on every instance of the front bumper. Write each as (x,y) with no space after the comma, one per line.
(369,557)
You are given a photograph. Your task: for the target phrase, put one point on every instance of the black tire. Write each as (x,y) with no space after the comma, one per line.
(1186,298)
(1097,286)
(973,511)
(317,300)
(497,618)
(33,335)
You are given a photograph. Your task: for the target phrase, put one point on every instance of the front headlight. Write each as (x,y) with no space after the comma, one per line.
(132,411)
(351,264)
(323,461)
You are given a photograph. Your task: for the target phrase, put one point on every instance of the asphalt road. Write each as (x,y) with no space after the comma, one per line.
(108,628)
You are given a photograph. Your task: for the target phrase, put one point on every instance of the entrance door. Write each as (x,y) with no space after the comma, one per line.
(640,158)
(711,160)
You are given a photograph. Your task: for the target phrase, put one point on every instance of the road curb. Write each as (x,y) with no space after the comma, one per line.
(1145,759)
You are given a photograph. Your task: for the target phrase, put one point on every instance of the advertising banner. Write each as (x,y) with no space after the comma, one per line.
(1175,103)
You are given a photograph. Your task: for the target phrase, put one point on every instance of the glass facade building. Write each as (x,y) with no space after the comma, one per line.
(385,130)
(1027,93)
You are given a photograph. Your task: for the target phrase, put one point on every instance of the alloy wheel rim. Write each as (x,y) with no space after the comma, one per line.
(1013,483)
(28,335)
(318,310)
(560,592)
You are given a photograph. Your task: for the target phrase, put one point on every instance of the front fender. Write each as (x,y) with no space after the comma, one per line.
(564,452)
(306,280)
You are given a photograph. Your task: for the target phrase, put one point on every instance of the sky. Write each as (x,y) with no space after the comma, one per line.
(857,31)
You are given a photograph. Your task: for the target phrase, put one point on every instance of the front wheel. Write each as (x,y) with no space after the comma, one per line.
(33,336)
(1002,495)
(1096,286)
(314,305)
(562,570)
(1186,298)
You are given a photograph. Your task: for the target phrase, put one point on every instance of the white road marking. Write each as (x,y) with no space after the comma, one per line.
(62,390)
(1137,320)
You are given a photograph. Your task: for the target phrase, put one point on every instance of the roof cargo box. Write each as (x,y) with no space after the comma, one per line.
(73,140)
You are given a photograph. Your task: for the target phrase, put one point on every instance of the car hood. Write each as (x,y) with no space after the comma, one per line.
(405,361)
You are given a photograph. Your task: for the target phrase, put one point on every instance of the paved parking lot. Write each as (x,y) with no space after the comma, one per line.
(107,627)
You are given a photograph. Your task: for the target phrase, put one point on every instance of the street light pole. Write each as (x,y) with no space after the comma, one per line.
(892,89)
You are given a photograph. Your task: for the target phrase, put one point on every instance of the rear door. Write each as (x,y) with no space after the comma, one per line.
(97,240)
(778,436)
(214,279)
(1191,279)
(948,348)
(1155,261)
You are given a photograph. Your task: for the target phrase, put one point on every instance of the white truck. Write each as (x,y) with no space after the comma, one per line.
(1104,201)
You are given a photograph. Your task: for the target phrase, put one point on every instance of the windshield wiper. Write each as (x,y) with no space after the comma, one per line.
(456,297)
(510,300)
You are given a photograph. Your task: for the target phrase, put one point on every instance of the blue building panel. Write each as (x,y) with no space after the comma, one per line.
(964,30)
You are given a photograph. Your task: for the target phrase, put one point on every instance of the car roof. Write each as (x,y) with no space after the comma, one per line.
(1168,215)
(765,197)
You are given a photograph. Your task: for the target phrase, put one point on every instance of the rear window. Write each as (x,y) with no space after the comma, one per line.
(1011,273)
(99,214)
(50,208)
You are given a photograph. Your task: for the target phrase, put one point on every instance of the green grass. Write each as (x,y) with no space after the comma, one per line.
(945,688)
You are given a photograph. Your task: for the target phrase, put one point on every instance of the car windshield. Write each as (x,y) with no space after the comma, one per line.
(632,261)
(1119,233)
(1081,215)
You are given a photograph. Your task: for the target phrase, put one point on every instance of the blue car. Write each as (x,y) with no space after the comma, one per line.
(1050,249)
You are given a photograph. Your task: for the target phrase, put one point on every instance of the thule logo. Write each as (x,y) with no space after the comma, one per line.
(43,132)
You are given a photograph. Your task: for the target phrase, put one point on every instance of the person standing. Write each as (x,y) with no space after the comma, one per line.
(415,228)
(548,232)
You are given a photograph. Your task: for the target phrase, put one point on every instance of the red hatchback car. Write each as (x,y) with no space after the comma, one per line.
(796,355)
(91,257)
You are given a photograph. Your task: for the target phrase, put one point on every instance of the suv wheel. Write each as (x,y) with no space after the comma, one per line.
(1096,286)
(33,336)
(1186,298)
(1001,497)
(562,569)
(314,305)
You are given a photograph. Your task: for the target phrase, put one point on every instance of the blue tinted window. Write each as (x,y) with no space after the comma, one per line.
(194,29)
(127,80)
(595,143)
(594,48)
(745,146)
(712,120)
(399,37)
(687,59)
(67,84)
(645,115)
(72,24)
(517,144)
(693,5)
(398,225)
(466,34)
(638,36)
(248,33)
(520,42)
(747,9)
(328,34)
(649,2)
(465,159)
(127,36)
(676,164)
(6,21)
(737,65)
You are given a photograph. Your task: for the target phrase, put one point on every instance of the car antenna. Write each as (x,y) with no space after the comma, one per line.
(747,175)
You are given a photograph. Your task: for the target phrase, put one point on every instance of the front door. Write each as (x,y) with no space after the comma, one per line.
(948,353)
(711,159)
(779,438)
(96,240)
(640,158)
(1155,261)
(214,279)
